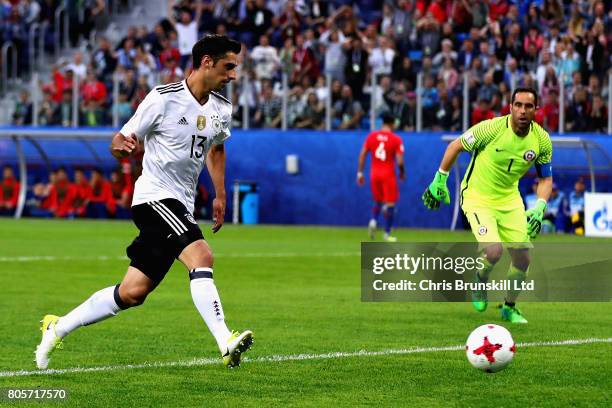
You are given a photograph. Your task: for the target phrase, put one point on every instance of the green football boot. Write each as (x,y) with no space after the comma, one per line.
(479,297)
(512,314)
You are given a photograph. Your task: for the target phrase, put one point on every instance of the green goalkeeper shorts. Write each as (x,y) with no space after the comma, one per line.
(489,225)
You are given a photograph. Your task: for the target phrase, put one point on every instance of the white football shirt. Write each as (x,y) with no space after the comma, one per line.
(178,132)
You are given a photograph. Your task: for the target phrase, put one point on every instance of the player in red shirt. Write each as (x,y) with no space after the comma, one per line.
(82,193)
(386,149)
(9,191)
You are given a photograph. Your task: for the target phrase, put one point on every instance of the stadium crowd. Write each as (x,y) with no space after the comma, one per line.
(553,45)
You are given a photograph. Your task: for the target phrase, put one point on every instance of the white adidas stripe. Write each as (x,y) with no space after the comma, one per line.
(170,221)
(170,214)
(199,362)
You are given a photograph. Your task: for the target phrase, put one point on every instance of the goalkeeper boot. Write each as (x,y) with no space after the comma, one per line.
(512,314)
(50,341)
(372,228)
(479,297)
(237,344)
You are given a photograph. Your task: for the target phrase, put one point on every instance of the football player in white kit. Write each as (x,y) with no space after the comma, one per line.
(183,126)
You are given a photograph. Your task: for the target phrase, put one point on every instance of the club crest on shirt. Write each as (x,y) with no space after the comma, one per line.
(201,122)
(529,155)
(482,230)
(190,218)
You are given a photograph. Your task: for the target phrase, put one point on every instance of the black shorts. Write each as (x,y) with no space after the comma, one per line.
(166,228)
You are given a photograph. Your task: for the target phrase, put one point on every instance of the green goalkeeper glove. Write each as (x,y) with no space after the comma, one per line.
(534,218)
(437,192)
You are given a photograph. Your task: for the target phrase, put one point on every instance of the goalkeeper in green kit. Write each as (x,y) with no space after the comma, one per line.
(503,149)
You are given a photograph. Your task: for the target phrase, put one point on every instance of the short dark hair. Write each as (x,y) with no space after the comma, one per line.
(388,118)
(214,45)
(525,89)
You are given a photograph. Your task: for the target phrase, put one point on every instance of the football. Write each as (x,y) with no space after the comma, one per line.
(490,348)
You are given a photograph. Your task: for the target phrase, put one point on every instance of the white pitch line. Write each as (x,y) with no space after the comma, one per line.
(199,362)
(52,258)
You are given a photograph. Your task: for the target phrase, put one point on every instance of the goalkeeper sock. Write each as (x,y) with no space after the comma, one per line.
(376,212)
(484,273)
(206,299)
(516,278)
(389,211)
(100,306)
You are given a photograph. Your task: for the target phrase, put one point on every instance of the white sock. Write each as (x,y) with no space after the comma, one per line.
(101,305)
(206,299)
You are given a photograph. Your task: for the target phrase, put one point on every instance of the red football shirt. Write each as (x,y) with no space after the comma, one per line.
(383,146)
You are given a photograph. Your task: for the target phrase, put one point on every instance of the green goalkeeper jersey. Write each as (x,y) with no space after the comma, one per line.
(499,159)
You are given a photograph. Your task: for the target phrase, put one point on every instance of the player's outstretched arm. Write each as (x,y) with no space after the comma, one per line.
(122,146)
(215,162)
(437,191)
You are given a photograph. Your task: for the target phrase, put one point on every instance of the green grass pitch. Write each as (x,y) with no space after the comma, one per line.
(298,289)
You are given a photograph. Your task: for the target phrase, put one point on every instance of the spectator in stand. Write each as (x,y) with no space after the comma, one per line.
(304,62)
(336,91)
(168,52)
(93,90)
(577,111)
(316,12)
(449,75)
(591,49)
(22,114)
(101,201)
(396,101)
(77,66)
(488,88)
(355,68)
(142,89)
(47,108)
(9,191)
(99,17)
(347,112)
(186,30)
(296,104)
(62,114)
(127,82)
(456,118)
(428,31)
(482,112)
(466,55)
(145,65)
(512,73)
(446,53)
(335,59)
(104,60)
(430,102)
(258,22)
(403,70)
(127,54)
(381,58)
(313,114)
(82,193)
(597,119)
(552,13)
(550,82)
(123,107)
(266,59)
(62,195)
(268,114)
(550,111)
(171,72)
